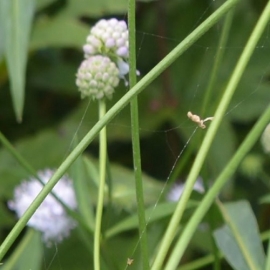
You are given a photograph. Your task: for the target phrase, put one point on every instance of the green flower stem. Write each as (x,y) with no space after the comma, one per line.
(206,144)
(102,178)
(135,128)
(124,101)
(213,192)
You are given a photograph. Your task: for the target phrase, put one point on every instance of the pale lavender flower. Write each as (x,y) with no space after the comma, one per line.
(107,37)
(50,218)
(177,190)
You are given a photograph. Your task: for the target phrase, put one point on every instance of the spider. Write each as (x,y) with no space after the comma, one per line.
(196,119)
(130,261)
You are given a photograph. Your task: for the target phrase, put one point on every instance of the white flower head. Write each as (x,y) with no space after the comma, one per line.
(97,77)
(50,218)
(177,190)
(107,37)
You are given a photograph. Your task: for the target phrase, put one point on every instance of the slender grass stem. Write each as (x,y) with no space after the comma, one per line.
(172,228)
(102,178)
(208,199)
(135,128)
(250,140)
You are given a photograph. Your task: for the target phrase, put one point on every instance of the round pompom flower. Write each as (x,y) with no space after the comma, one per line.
(50,218)
(107,37)
(97,77)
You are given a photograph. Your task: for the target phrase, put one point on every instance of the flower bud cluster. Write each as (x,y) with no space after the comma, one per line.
(107,37)
(105,52)
(97,77)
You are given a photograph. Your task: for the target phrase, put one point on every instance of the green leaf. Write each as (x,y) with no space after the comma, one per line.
(239,240)
(81,189)
(58,32)
(28,253)
(123,190)
(94,8)
(44,150)
(58,78)
(220,152)
(265,199)
(162,210)
(16,19)
(43,3)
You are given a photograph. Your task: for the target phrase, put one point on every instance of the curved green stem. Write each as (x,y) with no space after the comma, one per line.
(102,178)
(208,199)
(206,144)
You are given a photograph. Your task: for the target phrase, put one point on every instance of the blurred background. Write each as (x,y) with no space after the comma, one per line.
(54,113)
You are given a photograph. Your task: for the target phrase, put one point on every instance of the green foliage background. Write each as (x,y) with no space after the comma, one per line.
(53,115)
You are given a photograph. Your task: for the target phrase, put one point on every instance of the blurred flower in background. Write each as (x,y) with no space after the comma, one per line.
(178,188)
(50,218)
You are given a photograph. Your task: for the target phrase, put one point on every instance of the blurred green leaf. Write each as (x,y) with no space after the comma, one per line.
(239,240)
(44,150)
(252,95)
(123,190)
(265,199)
(58,32)
(5,216)
(81,189)
(162,210)
(94,8)
(28,254)
(70,254)
(43,3)
(222,148)
(58,78)
(16,19)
